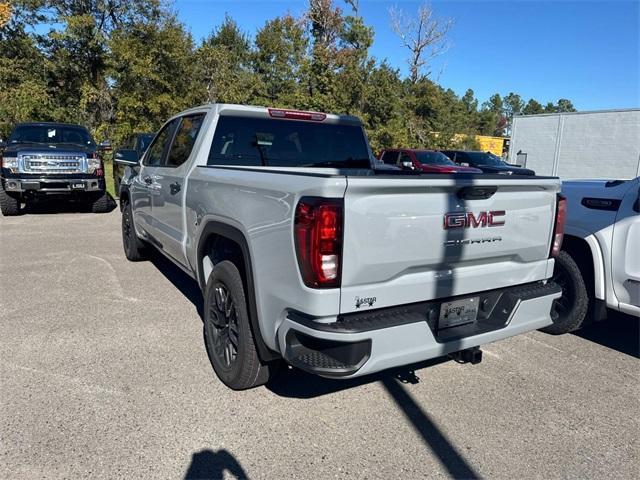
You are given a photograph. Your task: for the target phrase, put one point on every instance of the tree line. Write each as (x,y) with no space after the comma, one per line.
(124,66)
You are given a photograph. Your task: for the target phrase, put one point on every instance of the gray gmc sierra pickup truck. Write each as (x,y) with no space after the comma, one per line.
(307,252)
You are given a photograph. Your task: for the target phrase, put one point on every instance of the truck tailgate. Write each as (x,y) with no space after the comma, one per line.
(397,249)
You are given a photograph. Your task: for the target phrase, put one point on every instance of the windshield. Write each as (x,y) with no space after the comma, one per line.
(433,158)
(482,158)
(288,143)
(51,134)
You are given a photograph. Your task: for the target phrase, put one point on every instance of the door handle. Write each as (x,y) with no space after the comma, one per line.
(148,180)
(174,187)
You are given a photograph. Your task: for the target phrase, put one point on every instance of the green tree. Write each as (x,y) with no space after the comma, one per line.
(150,66)
(280,48)
(223,67)
(492,120)
(533,107)
(24,88)
(383,109)
(565,105)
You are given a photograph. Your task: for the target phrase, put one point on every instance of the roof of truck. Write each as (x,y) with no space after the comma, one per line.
(259,110)
(49,124)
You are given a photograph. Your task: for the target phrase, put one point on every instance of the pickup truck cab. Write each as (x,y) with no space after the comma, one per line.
(306,252)
(599,266)
(428,161)
(487,162)
(44,159)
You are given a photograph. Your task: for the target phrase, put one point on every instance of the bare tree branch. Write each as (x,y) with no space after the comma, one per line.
(354,4)
(424,36)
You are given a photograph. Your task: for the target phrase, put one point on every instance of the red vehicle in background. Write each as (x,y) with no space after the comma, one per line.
(428,161)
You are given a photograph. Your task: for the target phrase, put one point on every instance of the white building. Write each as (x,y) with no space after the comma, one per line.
(597,144)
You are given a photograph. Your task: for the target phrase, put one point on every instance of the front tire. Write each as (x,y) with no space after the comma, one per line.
(570,310)
(9,205)
(134,248)
(101,204)
(227,332)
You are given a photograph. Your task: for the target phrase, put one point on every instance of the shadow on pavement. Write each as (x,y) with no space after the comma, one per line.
(298,384)
(619,332)
(207,464)
(294,383)
(62,205)
(183,282)
(431,435)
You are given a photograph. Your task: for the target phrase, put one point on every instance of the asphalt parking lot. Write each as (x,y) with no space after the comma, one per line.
(103,374)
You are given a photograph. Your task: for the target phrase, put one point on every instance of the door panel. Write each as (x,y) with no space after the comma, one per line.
(145,186)
(625,250)
(168,188)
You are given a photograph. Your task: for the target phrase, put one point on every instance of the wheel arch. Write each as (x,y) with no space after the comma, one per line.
(229,243)
(587,254)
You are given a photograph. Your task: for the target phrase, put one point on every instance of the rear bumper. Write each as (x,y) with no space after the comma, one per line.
(58,185)
(362,343)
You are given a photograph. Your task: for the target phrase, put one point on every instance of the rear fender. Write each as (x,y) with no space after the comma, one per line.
(221,229)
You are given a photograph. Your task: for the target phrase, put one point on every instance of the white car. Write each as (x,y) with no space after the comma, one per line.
(599,265)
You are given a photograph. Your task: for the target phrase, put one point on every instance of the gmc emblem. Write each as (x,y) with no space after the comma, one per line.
(470,220)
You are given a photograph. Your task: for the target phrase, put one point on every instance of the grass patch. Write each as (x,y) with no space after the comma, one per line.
(108,176)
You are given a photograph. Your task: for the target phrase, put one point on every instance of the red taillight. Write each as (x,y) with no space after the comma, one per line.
(318,237)
(558,232)
(296,114)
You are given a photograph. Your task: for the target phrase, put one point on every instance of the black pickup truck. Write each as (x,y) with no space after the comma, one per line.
(49,160)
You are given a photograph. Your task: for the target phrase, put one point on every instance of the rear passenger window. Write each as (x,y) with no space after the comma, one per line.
(184,140)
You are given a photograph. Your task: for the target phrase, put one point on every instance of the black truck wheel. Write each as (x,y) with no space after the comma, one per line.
(227,332)
(134,248)
(9,205)
(101,204)
(569,311)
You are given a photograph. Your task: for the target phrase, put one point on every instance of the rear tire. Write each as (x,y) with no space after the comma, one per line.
(135,249)
(9,205)
(569,311)
(101,204)
(227,331)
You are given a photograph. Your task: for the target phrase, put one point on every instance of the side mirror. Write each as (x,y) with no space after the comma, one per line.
(464,164)
(126,157)
(407,164)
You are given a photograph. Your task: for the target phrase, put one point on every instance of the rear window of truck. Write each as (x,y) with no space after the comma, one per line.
(287,143)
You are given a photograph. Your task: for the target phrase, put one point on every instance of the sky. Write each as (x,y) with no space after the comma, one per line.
(587,51)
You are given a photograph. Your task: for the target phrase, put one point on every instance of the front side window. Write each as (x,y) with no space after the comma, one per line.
(159,145)
(479,158)
(390,158)
(143,142)
(288,143)
(185,139)
(405,158)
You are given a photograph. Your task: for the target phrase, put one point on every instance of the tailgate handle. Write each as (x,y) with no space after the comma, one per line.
(476,193)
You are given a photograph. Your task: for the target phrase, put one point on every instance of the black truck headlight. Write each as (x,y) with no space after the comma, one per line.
(10,163)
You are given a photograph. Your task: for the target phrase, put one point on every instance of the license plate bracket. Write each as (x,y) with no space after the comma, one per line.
(458,312)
